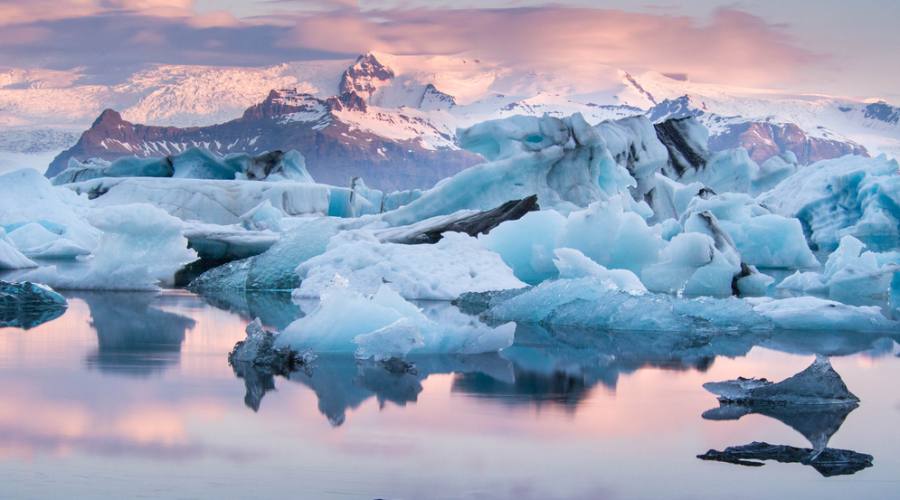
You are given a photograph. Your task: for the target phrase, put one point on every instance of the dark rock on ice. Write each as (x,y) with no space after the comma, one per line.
(473,225)
(258,349)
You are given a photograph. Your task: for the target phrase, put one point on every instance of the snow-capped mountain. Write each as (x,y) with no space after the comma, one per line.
(418,102)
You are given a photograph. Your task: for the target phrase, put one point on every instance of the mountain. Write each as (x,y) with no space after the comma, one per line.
(405,109)
(762,139)
(335,150)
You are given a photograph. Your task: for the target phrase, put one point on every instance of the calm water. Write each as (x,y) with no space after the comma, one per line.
(131,395)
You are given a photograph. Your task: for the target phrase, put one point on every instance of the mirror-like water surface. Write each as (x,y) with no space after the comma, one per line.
(131,395)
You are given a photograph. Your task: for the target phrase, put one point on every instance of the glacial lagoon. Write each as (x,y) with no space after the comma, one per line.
(131,395)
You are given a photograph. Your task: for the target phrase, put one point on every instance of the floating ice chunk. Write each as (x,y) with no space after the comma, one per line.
(818,384)
(808,281)
(762,238)
(193,163)
(26,196)
(36,241)
(613,235)
(27,304)
(773,171)
(851,195)
(527,245)
(633,144)
(588,302)
(10,257)
(669,199)
(692,265)
(263,216)
(219,201)
(573,264)
(730,170)
(392,341)
(850,274)
(442,271)
(564,162)
(258,349)
(812,313)
(385,325)
(141,247)
(274,269)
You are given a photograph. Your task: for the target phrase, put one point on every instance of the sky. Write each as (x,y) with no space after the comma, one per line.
(823,46)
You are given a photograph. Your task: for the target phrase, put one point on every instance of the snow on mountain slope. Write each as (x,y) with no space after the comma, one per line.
(870,124)
(424,99)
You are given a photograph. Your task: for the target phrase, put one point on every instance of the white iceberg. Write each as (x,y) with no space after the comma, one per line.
(852,195)
(851,274)
(36,241)
(456,264)
(385,325)
(141,248)
(27,197)
(10,257)
(763,239)
(591,303)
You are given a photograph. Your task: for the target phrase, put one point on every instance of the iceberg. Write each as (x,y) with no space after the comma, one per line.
(608,232)
(258,349)
(762,238)
(193,163)
(851,274)
(818,384)
(565,162)
(456,264)
(852,195)
(26,305)
(590,303)
(221,201)
(27,197)
(10,257)
(36,241)
(141,247)
(385,325)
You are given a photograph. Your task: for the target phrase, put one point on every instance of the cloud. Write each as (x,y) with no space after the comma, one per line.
(733,46)
(109,35)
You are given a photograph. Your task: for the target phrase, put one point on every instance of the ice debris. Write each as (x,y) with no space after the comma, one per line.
(26,304)
(818,384)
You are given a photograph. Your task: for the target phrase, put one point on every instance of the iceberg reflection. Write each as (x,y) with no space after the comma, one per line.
(134,337)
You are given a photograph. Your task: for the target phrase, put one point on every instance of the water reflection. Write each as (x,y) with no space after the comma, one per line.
(557,367)
(29,318)
(134,336)
(816,422)
(274,308)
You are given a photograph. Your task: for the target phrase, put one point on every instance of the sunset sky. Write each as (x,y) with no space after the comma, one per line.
(827,46)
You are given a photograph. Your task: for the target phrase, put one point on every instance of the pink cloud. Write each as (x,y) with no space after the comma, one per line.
(732,47)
